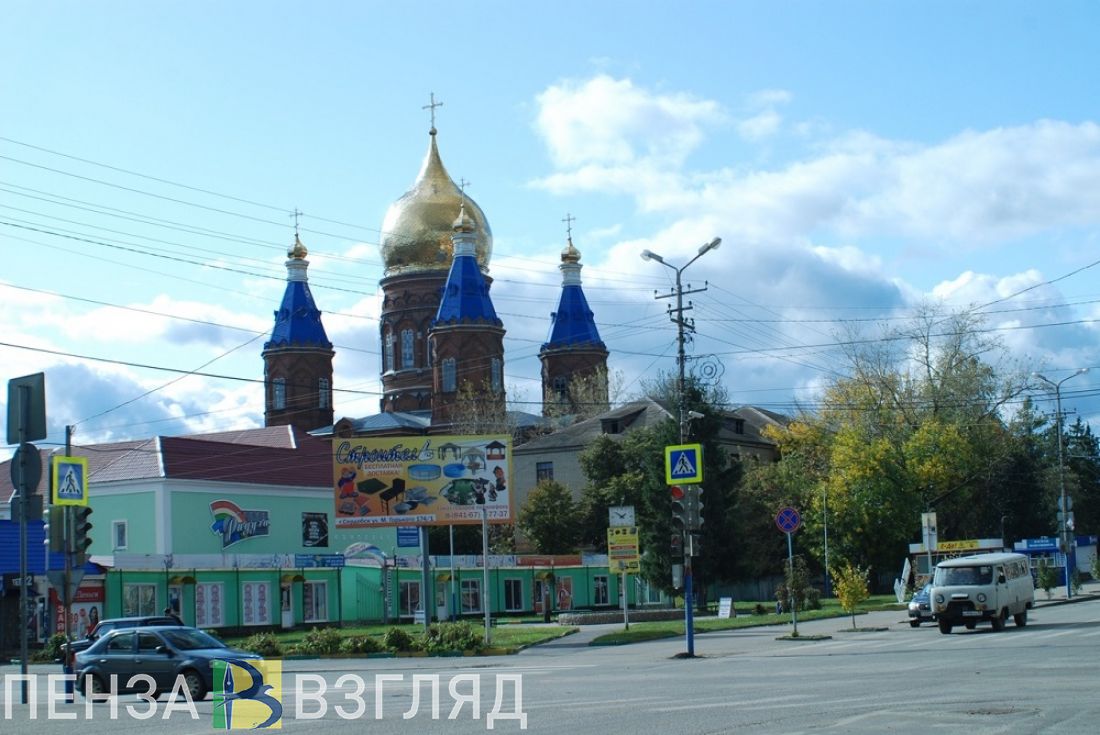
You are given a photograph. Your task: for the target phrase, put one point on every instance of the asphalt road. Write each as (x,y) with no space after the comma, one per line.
(1038,679)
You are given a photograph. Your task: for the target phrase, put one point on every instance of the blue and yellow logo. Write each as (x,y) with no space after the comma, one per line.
(248,695)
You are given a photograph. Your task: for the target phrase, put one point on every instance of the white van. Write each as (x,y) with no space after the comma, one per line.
(982,587)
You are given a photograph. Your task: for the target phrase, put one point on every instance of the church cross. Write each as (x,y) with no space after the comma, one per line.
(431,106)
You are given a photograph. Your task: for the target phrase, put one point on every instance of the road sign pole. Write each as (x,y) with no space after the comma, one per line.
(626,606)
(689,601)
(24,499)
(790,577)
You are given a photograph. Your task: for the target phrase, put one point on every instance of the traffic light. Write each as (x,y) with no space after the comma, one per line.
(54,527)
(695,507)
(81,539)
(676,545)
(680,506)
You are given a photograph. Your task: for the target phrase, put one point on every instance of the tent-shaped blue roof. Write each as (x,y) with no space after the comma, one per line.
(298,320)
(573,324)
(466,295)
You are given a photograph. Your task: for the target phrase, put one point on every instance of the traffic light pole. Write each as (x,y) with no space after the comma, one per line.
(66,593)
(24,499)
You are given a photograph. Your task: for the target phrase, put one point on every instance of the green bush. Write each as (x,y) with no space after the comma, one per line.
(360,644)
(395,639)
(265,644)
(51,651)
(445,637)
(813,599)
(1047,577)
(320,642)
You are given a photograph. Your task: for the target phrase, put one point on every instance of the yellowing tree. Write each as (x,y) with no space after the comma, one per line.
(850,585)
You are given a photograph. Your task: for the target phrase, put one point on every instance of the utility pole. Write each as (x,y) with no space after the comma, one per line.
(1063,524)
(683,325)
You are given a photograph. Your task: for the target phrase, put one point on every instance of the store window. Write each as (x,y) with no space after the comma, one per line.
(599,590)
(471,595)
(118,535)
(256,603)
(316,601)
(139,599)
(210,605)
(513,594)
(408,598)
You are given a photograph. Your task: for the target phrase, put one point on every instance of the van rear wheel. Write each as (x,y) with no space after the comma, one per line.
(945,626)
(1020,618)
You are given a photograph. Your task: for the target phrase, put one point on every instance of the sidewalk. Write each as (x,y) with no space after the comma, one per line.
(1090,590)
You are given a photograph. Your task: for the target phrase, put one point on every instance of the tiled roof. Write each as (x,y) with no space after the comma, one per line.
(466,296)
(573,324)
(298,320)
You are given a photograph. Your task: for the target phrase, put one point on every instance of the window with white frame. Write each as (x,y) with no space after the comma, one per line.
(496,375)
(408,349)
(599,590)
(278,388)
(118,535)
(316,601)
(513,594)
(139,599)
(449,377)
(209,605)
(387,351)
(256,603)
(324,393)
(471,595)
(408,598)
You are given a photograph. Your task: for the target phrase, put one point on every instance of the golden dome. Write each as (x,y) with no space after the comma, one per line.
(417,230)
(298,252)
(570,254)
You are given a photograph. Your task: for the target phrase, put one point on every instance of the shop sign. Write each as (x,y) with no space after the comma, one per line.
(234,524)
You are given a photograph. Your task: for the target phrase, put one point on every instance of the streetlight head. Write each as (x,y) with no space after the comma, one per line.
(649,255)
(712,245)
(1081,371)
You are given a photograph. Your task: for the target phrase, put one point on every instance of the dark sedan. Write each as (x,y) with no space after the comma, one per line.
(920,607)
(105,626)
(161,652)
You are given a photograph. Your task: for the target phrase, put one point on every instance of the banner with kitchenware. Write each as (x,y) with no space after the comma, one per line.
(437,480)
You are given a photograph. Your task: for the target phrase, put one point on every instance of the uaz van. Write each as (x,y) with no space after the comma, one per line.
(982,587)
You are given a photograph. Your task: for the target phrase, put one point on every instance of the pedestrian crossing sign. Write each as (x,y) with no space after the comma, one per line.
(684,464)
(70,481)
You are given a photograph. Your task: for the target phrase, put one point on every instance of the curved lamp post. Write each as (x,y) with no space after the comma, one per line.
(681,324)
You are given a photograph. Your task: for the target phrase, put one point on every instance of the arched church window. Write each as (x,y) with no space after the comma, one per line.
(449,377)
(324,393)
(387,352)
(496,375)
(408,350)
(278,393)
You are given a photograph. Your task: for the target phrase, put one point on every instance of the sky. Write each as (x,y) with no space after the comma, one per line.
(857,159)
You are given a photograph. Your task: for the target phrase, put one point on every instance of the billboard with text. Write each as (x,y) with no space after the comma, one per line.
(433,480)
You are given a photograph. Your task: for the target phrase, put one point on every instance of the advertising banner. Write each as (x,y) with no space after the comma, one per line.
(438,480)
(84,612)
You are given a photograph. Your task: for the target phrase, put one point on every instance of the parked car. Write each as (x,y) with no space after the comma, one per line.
(105,626)
(920,607)
(163,652)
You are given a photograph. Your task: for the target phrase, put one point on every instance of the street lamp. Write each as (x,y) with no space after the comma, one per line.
(680,322)
(1063,525)
(681,325)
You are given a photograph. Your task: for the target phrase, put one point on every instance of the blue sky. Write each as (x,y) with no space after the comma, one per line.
(856,158)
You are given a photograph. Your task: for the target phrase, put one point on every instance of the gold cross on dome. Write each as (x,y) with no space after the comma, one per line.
(569,220)
(296,215)
(431,106)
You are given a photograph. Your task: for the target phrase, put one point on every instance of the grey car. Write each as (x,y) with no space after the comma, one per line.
(162,652)
(920,607)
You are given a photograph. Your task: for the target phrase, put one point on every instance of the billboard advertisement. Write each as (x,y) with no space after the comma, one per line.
(436,480)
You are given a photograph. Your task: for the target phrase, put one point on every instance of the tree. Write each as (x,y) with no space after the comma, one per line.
(851,585)
(549,518)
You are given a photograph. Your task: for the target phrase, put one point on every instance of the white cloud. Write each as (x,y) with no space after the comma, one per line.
(605,121)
